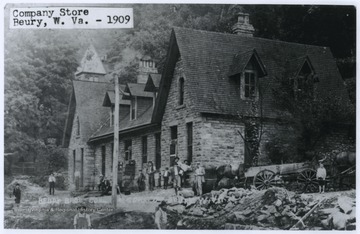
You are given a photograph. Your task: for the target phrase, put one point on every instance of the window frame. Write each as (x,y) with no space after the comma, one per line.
(181,91)
(248,86)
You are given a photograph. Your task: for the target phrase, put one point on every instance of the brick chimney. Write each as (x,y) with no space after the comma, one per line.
(243,26)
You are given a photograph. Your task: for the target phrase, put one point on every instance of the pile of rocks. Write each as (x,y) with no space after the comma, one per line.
(342,216)
(274,208)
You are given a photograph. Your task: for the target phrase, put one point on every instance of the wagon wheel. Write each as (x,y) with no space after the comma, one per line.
(307,181)
(264,179)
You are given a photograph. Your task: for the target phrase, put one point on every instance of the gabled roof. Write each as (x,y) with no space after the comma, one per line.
(125,124)
(152,83)
(242,59)
(91,63)
(135,89)
(89,108)
(109,99)
(207,57)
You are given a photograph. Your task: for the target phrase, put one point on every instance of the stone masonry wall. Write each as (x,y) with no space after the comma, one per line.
(176,115)
(76,144)
(220,142)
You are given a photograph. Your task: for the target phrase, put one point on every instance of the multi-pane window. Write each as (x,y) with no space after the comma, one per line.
(82,168)
(74,161)
(181,91)
(173,144)
(144,149)
(249,84)
(112,116)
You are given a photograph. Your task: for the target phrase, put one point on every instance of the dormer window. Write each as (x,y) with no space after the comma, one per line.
(112,116)
(303,77)
(181,91)
(247,68)
(133,107)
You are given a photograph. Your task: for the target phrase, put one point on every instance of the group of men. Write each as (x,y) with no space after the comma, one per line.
(177,173)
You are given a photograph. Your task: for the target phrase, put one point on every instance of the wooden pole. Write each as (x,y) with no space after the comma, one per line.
(116,144)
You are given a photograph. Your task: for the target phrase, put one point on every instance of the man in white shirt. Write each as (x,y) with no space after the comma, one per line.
(52,181)
(161,216)
(199,178)
(321,176)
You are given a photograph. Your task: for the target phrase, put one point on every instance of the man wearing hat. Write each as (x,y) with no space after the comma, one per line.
(161,216)
(81,219)
(176,175)
(141,181)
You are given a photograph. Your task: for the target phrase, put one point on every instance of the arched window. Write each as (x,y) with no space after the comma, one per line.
(77,126)
(181,91)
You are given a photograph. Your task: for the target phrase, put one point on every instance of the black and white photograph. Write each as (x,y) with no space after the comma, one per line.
(179,116)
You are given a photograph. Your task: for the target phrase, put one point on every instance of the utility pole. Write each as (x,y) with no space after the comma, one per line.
(116,143)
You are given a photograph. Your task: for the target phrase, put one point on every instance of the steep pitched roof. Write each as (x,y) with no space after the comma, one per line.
(89,100)
(207,56)
(124,124)
(135,89)
(109,98)
(152,83)
(242,59)
(91,63)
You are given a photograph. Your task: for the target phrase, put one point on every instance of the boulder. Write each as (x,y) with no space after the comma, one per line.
(339,220)
(277,203)
(186,193)
(345,204)
(197,212)
(178,208)
(191,201)
(224,183)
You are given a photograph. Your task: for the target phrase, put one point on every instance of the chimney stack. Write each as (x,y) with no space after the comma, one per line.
(243,26)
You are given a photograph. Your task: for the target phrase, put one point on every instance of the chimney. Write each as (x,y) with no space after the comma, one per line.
(243,26)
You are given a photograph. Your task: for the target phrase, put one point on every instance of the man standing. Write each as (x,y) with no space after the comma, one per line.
(17,193)
(166,177)
(141,181)
(150,170)
(321,176)
(161,216)
(81,219)
(52,181)
(176,176)
(199,178)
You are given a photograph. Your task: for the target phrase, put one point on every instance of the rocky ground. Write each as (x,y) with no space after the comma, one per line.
(235,208)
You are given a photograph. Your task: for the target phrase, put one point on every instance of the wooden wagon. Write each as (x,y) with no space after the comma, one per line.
(263,177)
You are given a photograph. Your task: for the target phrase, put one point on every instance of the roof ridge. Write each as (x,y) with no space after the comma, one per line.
(102,82)
(256,38)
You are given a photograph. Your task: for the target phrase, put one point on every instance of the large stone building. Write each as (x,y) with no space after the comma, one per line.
(193,109)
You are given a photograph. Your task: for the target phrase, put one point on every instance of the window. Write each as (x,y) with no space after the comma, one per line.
(77,126)
(158,150)
(181,91)
(173,144)
(133,108)
(189,128)
(144,149)
(303,83)
(112,116)
(103,158)
(249,84)
(128,150)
